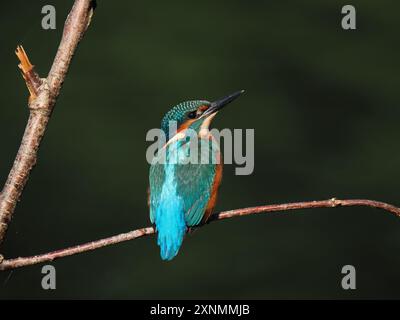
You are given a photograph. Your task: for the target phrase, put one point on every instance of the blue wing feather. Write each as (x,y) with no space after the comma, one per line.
(179,194)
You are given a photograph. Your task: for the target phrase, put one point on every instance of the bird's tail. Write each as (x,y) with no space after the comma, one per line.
(171,228)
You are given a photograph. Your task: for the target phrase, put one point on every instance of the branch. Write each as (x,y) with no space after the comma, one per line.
(7,264)
(32,79)
(43,95)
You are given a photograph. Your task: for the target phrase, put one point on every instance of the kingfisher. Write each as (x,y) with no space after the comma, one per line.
(184,181)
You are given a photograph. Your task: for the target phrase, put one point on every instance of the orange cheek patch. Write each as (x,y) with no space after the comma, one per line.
(186,125)
(203,108)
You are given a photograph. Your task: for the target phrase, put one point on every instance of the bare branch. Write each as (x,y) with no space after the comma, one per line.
(6,264)
(43,95)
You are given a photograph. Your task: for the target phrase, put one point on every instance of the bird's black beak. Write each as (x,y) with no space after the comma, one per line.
(220,103)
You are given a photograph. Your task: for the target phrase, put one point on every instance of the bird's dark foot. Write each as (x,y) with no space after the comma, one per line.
(190,230)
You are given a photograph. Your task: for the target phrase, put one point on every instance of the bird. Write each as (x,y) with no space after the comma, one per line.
(182,193)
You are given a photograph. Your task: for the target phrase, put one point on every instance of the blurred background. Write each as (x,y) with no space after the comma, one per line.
(324,103)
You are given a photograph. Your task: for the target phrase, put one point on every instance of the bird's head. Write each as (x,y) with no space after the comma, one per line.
(195,114)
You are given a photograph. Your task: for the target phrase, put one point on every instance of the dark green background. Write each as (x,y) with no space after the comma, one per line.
(324,104)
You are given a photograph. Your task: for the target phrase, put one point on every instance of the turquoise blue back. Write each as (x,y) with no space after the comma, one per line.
(180,192)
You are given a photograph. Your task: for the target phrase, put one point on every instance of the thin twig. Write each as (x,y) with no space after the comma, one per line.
(7,264)
(32,79)
(43,95)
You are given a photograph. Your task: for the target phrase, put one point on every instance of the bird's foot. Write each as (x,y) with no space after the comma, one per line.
(190,230)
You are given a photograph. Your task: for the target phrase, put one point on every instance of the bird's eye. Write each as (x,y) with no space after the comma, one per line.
(192,115)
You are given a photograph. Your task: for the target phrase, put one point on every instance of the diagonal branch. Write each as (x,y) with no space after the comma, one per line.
(43,95)
(7,264)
